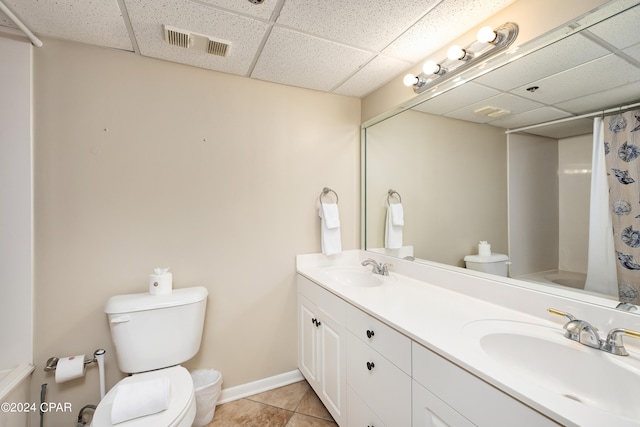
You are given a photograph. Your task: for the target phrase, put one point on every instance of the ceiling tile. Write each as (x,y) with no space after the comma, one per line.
(447,21)
(602,74)
(289,57)
(564,54)
(262,11)
(513,104)
(367,24)
(456,98)
(527,118)
(371,76)
(621,30)
(244,34)
(564,129)
(603,100)
(633,52)
(97,22)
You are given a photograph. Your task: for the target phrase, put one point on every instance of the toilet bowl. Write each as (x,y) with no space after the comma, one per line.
(152,335)
(181,410)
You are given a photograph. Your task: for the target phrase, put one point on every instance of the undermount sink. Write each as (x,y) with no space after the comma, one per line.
(543,356)
(353,276)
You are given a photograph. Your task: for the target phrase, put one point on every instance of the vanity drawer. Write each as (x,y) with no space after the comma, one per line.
(359,414)
(473,398)
(384,339)
(329,303)
(380,384)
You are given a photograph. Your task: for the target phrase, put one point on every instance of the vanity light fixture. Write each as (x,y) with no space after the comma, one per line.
(455,52)
(489,42)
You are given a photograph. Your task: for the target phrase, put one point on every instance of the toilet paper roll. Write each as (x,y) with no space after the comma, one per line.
(70,368)
(484,249)
(161,284)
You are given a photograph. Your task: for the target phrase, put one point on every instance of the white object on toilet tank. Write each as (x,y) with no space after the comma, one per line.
(161,282)
(156,331)
(493,264)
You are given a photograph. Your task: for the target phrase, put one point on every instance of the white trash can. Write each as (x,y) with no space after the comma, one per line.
(207,384)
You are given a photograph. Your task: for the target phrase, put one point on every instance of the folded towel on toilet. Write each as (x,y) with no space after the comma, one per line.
(393,226)
(330,228)
(140,399)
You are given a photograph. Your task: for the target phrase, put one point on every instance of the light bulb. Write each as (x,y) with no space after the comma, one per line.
(430,67)
(486,35)
(410,80)
(456,52)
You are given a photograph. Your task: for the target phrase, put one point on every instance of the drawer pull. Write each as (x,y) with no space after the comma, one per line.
(370,365)
(370,333)
(316,322)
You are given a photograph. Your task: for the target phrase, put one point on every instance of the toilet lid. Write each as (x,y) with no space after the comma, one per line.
(181,397)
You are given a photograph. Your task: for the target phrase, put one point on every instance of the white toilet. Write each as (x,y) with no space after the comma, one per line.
(152,335)
(497,264)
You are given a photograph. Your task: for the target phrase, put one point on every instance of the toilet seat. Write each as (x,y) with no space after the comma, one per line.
(181,410)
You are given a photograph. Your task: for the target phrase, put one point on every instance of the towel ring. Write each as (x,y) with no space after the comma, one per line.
(390,194)
(325,191)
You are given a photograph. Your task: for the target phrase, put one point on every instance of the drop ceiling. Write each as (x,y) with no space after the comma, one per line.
(352,47)
(348,47)
(592,70)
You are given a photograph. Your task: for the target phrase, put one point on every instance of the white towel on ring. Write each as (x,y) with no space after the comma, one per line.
(330,228)
(393,226)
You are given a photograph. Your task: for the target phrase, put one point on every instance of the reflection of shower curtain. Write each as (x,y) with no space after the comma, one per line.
(622,148)
(601,265)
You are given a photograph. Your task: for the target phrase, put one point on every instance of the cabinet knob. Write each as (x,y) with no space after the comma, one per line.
(370,365)
(316,322)
(370,333)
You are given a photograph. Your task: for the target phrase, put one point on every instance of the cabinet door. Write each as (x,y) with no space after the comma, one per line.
(308,341)
(332,370)
(429,411)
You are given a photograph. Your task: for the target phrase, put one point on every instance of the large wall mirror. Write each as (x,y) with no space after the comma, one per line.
(519,178)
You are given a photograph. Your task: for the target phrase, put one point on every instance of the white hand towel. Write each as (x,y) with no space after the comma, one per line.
(330,228)
(393,233)
(140,399)
(397,214)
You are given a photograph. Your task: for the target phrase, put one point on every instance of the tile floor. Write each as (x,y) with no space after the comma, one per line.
(295,405)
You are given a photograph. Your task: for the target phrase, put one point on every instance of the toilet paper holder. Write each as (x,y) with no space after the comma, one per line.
(52,362)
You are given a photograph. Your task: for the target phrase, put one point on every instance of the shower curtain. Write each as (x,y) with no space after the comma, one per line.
(601,262)
(622,152)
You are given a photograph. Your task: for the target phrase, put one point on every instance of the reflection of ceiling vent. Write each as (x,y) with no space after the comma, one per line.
(215,47)
(492,111)
(189,40)
(176,37)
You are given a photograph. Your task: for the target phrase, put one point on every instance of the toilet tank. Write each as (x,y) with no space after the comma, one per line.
(497,264)
(156,331)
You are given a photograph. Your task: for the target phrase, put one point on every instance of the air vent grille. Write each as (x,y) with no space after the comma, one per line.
(176,37)
(215,47)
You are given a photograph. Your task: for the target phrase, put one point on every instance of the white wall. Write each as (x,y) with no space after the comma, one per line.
(533,204)
(452,176)
(574,174)
(16,220)
(141,163)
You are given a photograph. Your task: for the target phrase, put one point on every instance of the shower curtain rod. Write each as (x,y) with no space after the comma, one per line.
(34,40)
(569,119)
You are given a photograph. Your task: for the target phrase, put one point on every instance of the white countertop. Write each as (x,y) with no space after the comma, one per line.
(435,316)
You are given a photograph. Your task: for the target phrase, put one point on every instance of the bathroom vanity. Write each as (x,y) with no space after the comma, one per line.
(430,346)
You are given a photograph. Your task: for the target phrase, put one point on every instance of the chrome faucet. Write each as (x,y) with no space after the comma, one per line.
(584,333)
(382,269)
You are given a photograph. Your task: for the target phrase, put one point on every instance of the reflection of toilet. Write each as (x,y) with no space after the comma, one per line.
(493,264)
(152,334)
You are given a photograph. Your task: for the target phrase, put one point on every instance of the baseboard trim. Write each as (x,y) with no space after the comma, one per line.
(255,387)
